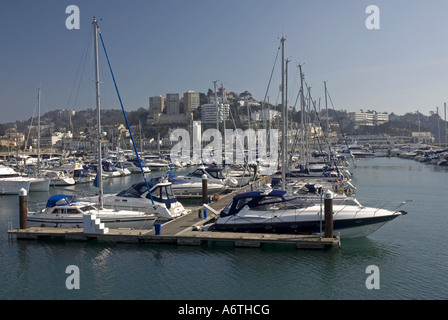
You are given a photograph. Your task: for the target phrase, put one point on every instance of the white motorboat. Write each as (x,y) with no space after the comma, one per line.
(154,162)
(214,177)
(38,183)
(58,177)
(11,181)
(274,211)
(81,175)
(64,211)
(122,169)
(191,186)
(133,166)
(136,197)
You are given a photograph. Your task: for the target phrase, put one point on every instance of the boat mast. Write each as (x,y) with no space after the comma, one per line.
(38,130)
(328,123)
(284,118)
(302,120)
(97,86)
(216,104)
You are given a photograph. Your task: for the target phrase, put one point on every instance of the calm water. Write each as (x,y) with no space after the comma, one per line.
(410,252)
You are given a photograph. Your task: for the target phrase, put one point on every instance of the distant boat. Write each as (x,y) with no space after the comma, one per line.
(132,166)
(189,186)
(58,177)
(11,181)
(154,162)
(214,177)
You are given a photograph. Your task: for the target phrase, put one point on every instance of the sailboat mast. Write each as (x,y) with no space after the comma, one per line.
(38,130)
(284,118)
(302,120)
(97,86)
(326,107)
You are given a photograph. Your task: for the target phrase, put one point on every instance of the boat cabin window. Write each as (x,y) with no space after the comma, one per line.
(281,205)
(87,208)
(241,203)
(226,210)
(162,192)
(217,174)
(66,211)
(129,193)
(197,173)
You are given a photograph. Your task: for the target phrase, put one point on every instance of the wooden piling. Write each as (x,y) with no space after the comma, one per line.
(328,204)
(23,209)
(204,189)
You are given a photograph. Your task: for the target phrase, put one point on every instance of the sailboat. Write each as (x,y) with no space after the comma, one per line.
(66,211)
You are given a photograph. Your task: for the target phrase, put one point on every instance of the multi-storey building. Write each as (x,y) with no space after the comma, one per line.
(156,105)
(172,103)
(212,113)
(370,118)
(191,101)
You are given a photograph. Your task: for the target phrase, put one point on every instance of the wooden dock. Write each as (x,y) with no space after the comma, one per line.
(185,230)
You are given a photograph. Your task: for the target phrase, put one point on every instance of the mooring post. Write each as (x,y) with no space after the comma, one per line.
(328,207)
(204,189)
(23,210)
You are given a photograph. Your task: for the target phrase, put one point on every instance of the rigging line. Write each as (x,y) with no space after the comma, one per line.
(125,117)
(270,78)
(83,58)
(342,132)
(326,139)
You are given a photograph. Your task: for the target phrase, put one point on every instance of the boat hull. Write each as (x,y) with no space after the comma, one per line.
(13,186)
(77,222)
(343,225)
(39,184)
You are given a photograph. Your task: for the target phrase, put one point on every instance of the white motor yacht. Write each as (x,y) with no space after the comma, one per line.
(65,211)
(277,212)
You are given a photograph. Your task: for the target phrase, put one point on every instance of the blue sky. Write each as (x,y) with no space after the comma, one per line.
(157,47)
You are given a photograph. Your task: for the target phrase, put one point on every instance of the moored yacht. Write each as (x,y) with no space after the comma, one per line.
(65,211)
(164,205)
(11,181)
(274,211)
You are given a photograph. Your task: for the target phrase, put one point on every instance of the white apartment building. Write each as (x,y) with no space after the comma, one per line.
(211,112)
(370,118)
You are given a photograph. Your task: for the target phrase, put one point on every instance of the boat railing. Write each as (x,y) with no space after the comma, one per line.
(392,205)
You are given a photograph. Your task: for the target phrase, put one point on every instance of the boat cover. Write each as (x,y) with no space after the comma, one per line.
(60,200)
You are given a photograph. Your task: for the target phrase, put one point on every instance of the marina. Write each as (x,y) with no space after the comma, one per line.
(408,252)
(221,197)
